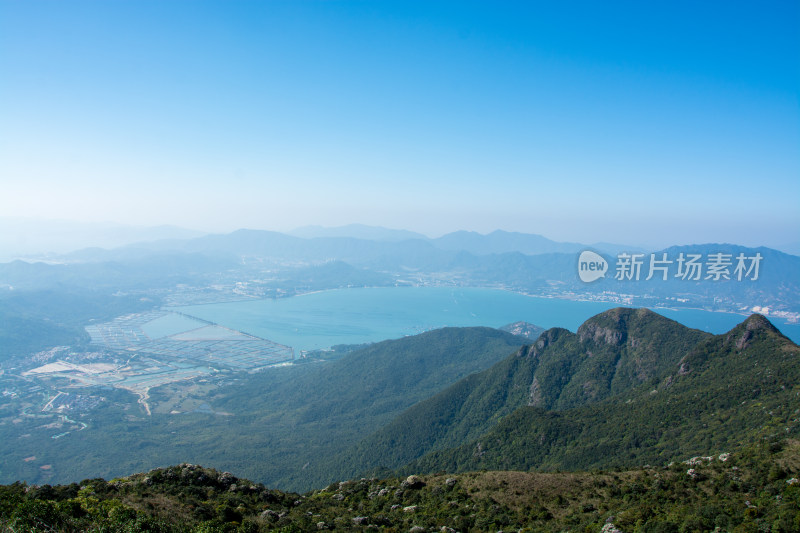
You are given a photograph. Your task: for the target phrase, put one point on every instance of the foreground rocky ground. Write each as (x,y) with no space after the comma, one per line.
(753,489)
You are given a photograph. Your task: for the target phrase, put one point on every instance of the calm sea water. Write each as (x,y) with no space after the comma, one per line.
(354,316)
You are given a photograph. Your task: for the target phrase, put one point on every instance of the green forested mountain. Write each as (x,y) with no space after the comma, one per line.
(306,415)
(279,426)
(611,353)
(693,432)
(719,394)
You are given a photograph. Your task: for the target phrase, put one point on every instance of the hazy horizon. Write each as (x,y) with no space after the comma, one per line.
(31,238)
(639,124)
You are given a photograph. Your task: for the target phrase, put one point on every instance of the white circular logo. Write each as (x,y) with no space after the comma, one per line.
(591,266)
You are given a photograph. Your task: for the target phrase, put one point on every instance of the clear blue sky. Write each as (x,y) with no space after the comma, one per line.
(639,122)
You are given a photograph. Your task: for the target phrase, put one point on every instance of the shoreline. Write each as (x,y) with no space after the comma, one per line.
(313,336)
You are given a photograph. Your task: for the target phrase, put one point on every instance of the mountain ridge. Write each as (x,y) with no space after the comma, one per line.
(560,369)
(722,391)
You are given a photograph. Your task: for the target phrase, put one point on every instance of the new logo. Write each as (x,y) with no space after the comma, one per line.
(591,266)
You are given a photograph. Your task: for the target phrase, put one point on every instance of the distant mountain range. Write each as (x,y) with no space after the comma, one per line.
(500,242)
(22,237)
(356,231)
(524,263)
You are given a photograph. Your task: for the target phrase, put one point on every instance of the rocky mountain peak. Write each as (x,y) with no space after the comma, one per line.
(744,333)
(546,339)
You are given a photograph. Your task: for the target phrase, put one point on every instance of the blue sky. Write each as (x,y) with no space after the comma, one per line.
(641,122)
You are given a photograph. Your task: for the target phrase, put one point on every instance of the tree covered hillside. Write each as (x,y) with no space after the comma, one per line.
(611,353)
(724,392)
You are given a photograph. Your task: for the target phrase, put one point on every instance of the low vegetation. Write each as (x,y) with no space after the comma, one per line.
(748,490)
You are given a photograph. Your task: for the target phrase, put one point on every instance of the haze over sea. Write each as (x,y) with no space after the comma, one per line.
(359,315)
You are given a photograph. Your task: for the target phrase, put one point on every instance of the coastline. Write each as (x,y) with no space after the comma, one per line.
(372,314)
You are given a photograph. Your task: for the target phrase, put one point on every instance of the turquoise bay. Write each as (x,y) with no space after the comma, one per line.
(354,316)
